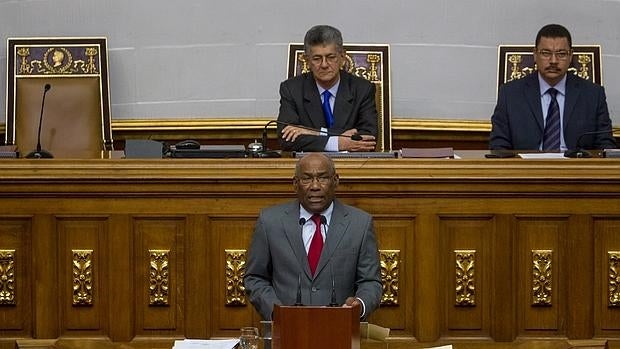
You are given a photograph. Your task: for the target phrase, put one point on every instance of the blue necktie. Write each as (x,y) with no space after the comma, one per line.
(327,109)
(551,136)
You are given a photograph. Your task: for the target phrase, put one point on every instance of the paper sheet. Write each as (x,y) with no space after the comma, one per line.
(205,343)
(542,156)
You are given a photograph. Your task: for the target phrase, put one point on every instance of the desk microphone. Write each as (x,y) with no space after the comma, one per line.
(580,152)
(38,153)
(269,153)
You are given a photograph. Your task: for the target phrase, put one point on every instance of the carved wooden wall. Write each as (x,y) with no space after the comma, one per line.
(141,249)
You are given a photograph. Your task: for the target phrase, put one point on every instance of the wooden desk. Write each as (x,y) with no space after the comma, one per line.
(497,249)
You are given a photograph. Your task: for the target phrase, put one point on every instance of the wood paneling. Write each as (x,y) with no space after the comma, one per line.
(82,233)
(397,233)
(541,233)
(195,210)
(467,234)
(607,235)
(16,318)
(159,234)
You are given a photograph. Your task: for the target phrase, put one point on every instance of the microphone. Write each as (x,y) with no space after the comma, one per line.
(38,153)
(266,153)
(298,302)
(333,303)
(580,152)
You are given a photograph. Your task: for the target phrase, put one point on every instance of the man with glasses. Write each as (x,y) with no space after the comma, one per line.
(551,110)
(314,245)
(339,104)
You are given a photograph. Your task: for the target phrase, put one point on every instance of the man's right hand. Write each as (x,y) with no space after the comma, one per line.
(291,132)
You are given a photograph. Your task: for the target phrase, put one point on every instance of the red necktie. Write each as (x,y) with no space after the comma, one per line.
(316,245)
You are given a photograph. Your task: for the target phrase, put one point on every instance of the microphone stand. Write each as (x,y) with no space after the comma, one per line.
(265,153)
(580,152)
(39,153)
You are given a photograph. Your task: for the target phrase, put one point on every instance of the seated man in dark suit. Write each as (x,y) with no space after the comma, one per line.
(314,245)
(550,110)
(328,99)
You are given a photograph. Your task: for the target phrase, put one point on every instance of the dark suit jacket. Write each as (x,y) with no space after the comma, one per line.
(518,119)
(300,104)
(277,259)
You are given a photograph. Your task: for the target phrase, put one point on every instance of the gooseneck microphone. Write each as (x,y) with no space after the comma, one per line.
(266,153)
(298,302)
(580,152)
(39,153)
(332,302)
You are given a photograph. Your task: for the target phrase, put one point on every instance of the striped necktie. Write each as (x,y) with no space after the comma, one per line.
(551,136)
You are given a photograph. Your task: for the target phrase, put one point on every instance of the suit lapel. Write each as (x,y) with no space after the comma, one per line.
(532,96)
(292,230)
(338,226)
(573,89)
(312,102)
(344,101)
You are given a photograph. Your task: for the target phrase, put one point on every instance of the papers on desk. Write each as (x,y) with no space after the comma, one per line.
(544,156)
(205,344)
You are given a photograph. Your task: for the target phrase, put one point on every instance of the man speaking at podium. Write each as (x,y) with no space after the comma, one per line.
(328,99)
(313,250)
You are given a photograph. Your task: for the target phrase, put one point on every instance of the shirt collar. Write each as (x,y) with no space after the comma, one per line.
(333,90)
(303,213)
(544,86)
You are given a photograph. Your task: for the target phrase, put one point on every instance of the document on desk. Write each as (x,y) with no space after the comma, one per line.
(544,156)
(205,344)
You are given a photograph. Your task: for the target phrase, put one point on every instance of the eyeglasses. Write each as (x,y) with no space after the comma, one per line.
(318,60)
(560,55)
(309,180)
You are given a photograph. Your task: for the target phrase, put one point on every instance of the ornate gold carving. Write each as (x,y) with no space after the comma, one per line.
(235,270)
(159,277)
(465,278)
(58,61)
(23,53)
(301,57)
(390,276)
(542,273)
(584,71)
(91,67)
(614,278)
(374,60)
(7,277)
(60,64)
(371,73)
(82,277)
(516,72)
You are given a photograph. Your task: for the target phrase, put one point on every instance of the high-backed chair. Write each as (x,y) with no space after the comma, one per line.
(371,62)
(517,61)
(76,118)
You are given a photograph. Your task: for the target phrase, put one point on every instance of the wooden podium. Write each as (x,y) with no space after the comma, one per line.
(311,327)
